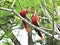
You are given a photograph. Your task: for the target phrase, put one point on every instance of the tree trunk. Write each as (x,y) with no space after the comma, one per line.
(30,41)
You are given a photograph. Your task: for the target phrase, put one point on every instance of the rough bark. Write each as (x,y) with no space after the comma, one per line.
(30,41)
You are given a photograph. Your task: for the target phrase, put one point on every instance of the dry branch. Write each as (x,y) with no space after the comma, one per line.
(13,4)
(6,9)
(31,23)
(17,14)
(49,18)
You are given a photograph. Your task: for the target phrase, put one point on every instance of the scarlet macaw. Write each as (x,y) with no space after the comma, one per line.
(23,14)
(34,22)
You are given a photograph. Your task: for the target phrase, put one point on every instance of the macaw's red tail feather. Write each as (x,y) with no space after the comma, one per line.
(26,26)
(39,33)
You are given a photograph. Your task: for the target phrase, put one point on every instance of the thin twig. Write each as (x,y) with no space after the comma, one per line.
(16,36)
(17,14)
(45,28)
(42,17)
(26,21)
(1,8)
(31,23)
(49,18)
(20,4)
(13,4)
(53,9)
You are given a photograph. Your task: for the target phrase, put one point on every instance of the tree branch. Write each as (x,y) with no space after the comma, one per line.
(17,14)
(31,24)
(1,8)
(49,18)
(13,4)
(20,4)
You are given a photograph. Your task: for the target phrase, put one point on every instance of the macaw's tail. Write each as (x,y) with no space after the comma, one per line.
(25,26)
(39,33)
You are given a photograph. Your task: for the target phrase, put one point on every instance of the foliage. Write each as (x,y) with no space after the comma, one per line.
(5,16)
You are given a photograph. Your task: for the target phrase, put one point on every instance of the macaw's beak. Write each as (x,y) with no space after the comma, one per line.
(32,15)
(27,11)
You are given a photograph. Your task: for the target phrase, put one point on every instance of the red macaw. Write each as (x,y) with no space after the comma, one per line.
(23,14)
(34,21)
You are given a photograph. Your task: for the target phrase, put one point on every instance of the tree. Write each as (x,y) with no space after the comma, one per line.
(9,10)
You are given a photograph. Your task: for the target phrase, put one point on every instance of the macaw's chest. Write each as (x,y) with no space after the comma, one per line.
(35,22)
(23,14)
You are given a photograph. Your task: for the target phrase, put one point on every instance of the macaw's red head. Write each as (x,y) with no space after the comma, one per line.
(34,19)
(23,13)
